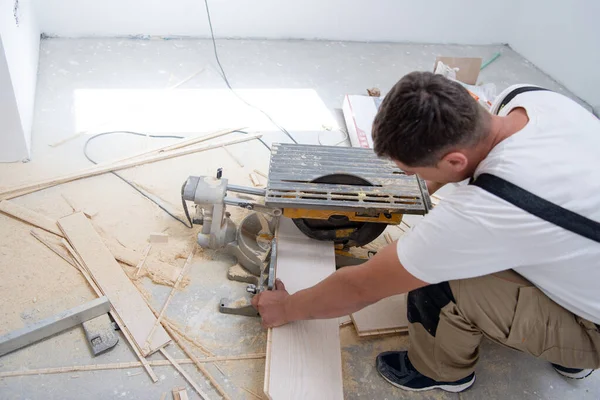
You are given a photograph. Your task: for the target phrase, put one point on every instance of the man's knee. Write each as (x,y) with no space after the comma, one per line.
(424,305)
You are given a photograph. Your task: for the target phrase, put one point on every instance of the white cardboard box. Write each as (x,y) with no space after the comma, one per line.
(359,113)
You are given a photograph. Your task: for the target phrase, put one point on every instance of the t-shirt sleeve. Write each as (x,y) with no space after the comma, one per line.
(468,234)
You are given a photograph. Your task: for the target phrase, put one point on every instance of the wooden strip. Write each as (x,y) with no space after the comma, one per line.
(304,357)
(388,238)
(180,144)
(113,313)
(254,179)
(197,362)
(31,217)
(385,316)
(124,296)
(178,393)
(345,320)
(188,262)
(142,260)
(261,173)
(39,330)
(381,332)
(126,365)
(54,249)
(184,374)
(115,166)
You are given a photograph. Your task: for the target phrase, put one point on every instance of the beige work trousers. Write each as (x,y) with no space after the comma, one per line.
(510,311)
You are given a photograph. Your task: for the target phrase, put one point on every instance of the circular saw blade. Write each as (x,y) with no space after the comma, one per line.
(338,228)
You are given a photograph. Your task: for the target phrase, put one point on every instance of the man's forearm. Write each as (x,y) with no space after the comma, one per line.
(352,288)
(337,295)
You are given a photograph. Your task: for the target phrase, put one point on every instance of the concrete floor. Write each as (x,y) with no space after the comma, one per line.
(106,84)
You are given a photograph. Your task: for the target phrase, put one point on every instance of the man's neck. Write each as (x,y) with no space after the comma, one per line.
(500,129)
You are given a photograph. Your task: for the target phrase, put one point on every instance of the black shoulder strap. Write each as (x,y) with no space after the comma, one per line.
(511,95)
(539,207)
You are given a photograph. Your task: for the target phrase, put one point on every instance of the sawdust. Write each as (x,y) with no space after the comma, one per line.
(241,302)
(159,277)
(35,283)
(238,273)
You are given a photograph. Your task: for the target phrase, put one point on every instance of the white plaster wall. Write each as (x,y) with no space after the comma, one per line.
(18,77)
(433,21)
(563,39)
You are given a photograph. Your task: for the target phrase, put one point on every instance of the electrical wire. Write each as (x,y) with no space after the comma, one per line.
(85,148)
(224,76)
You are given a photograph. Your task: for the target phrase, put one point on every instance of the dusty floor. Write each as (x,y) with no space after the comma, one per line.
(100,85)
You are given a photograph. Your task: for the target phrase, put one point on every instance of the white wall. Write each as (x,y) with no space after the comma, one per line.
(433,21)
(563,39)
(18,76)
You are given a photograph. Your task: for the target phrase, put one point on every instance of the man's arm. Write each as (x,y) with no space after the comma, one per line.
(347,290)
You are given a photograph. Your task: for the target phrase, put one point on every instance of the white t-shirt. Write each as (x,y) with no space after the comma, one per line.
(472,232)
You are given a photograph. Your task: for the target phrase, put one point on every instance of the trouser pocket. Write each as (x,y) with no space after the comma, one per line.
(528,329)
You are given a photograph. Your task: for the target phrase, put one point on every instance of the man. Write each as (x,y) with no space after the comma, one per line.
(476,264)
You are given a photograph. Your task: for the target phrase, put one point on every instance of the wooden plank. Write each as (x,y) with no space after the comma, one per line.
(384,317)
(112,280)
(114,166)
(304,357)
(31,217)
(81,267)
(52,325)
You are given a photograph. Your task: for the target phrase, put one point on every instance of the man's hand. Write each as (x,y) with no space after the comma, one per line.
(271,305)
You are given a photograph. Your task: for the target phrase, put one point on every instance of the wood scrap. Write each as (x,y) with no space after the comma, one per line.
(184,374)
(142,260)
(31,217)
(110,277)
(179,393)
(374,92)
(181,143)
(114,166)
(345,320)
(261,173)
(188,262)
(254,179)
(384,317)
(198,364)
(113,313)
(388,238)
(55,248)
(155,238)
(126,365)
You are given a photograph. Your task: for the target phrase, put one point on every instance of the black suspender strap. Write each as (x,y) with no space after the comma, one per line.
(538,206)
(516,92)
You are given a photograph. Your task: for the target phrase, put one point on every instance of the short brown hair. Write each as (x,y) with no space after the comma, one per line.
(422,116)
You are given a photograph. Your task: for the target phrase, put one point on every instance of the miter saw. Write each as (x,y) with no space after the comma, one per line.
(346,195)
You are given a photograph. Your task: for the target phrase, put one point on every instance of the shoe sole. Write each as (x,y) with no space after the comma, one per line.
(447,388)
(578,375)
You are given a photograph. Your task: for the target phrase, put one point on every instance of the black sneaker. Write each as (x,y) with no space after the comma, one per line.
(395,367)
(573,373)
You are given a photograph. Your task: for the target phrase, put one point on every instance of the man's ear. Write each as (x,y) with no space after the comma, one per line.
(455,161)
